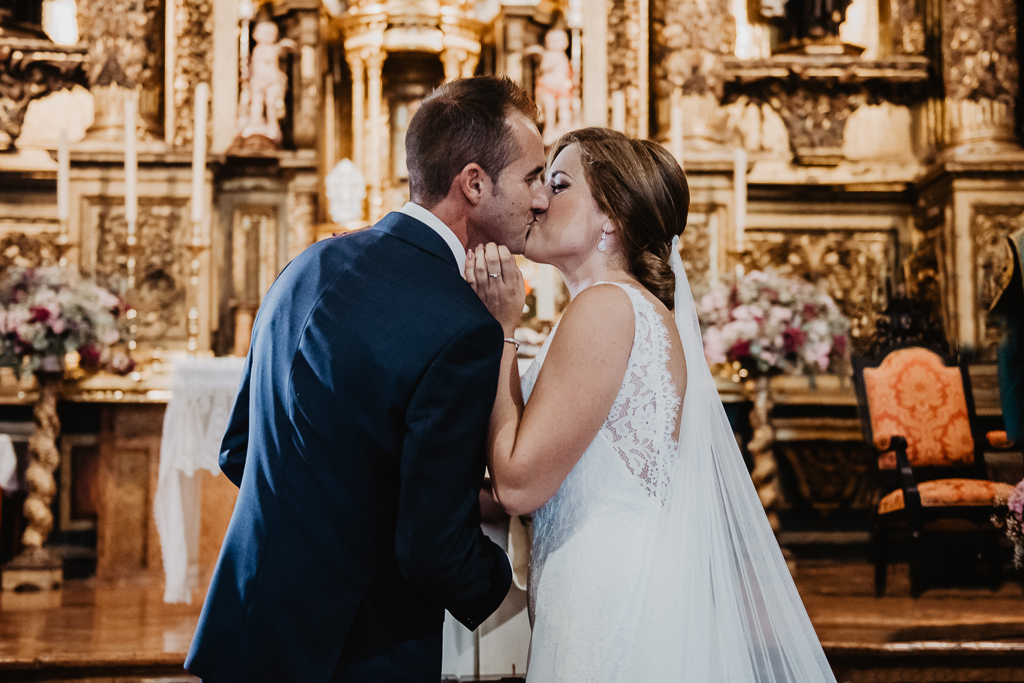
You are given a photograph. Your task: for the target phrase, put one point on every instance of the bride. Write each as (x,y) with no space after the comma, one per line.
(652,558)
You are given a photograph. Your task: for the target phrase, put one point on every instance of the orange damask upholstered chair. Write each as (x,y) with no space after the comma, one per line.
(917,412)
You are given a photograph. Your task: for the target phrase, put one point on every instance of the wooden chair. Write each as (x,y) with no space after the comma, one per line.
(917,413)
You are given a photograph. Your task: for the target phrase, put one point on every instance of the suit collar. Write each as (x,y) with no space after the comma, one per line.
(418,234)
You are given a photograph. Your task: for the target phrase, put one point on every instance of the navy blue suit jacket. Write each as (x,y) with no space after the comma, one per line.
(357,443)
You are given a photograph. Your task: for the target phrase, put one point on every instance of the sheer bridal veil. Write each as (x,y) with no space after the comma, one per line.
(720,606)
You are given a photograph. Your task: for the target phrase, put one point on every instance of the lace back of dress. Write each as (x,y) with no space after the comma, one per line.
(720,605)
(641,424)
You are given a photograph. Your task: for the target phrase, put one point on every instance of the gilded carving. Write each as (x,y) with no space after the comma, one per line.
(27,251)
(906,26)
(301,221)
(695,243)
(815,119)
(161,263)
(852,266)
(923,273)
(990,226)
(30,69)
(125,41)
(689,41)
(193,44)
(979,39)
(125,54)
(830,476)
(625,43)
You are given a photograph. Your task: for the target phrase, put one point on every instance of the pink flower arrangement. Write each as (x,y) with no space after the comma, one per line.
(47,313)
(769,323)
(1015,524)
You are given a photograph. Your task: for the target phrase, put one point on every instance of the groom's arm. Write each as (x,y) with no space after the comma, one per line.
(235,445)
(438,543)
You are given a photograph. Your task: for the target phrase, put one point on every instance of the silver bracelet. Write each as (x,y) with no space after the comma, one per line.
(510,340)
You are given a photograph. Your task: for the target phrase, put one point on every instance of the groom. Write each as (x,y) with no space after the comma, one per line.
(357,436)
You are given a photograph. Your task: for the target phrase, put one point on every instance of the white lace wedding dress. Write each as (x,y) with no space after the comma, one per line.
(591,541)
(654,562)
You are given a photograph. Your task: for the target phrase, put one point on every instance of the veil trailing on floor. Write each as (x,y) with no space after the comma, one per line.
(721,605)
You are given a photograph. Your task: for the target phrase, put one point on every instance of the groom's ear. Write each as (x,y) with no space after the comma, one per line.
(474,183)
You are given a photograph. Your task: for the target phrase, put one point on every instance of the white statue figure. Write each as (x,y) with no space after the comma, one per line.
(346,190)
(554,89)
(262,100)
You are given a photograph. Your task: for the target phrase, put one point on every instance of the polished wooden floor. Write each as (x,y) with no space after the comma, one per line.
(124,633)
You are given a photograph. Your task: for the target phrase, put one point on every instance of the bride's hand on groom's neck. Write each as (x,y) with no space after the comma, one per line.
(492,272)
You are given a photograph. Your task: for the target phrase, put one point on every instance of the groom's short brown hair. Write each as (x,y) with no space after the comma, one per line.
(462,122)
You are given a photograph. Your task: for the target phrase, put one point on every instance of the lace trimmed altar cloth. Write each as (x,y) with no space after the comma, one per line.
(202,395)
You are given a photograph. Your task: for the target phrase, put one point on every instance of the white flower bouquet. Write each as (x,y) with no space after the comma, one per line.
(768,323)
(48,313)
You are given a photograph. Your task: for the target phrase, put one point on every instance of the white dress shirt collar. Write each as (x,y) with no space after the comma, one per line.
(416,211)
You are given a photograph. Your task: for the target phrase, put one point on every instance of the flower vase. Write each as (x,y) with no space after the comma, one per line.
(35,568)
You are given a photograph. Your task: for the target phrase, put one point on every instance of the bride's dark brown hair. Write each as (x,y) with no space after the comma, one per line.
(642,189)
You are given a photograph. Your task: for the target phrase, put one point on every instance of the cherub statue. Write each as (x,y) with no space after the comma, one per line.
(262,99)
(554,88)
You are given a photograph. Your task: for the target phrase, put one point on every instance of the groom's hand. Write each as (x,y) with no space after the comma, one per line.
(492,272)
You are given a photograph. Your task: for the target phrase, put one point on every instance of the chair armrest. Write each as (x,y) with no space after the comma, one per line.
(911,496)
(998,440)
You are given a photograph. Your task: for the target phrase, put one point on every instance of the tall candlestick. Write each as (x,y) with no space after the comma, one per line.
(131,165)
(202,99)
(713,248)
(740,186)
(63,181)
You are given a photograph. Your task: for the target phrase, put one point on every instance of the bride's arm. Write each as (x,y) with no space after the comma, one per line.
(531,450)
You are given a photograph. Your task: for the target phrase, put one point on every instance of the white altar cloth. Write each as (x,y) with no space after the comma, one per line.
(202,395)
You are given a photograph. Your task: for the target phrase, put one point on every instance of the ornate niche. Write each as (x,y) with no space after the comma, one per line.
(852,266)
(162,262)
(991,224)
(816,94)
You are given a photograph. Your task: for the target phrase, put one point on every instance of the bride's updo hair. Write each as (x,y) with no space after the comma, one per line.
(642,189)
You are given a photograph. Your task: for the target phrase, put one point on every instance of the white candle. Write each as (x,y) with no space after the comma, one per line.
(131,163)
(545,292)
(202,98)
(676,125)
(740,186)
(63,180)
(619,111)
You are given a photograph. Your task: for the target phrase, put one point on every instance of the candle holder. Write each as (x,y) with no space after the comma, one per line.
(62,245)
(196,247)
(131,314)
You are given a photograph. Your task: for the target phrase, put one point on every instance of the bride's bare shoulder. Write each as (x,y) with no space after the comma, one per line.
(601,313)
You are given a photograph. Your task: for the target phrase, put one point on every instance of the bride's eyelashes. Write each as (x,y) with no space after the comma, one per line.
(559,187)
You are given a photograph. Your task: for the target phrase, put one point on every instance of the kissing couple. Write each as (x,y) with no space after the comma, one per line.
(382,379)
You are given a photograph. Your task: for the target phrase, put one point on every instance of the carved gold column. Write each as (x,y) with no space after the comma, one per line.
(125,58)
(979,48)
(628,60)
(355,63)
(375,94)
(691,40)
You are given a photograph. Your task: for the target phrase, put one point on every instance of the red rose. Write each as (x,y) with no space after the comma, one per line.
(89,357)
(792,339)
(839,344)
(740,350)
(39,314)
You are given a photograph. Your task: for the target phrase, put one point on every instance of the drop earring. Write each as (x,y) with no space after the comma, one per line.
(602,245)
